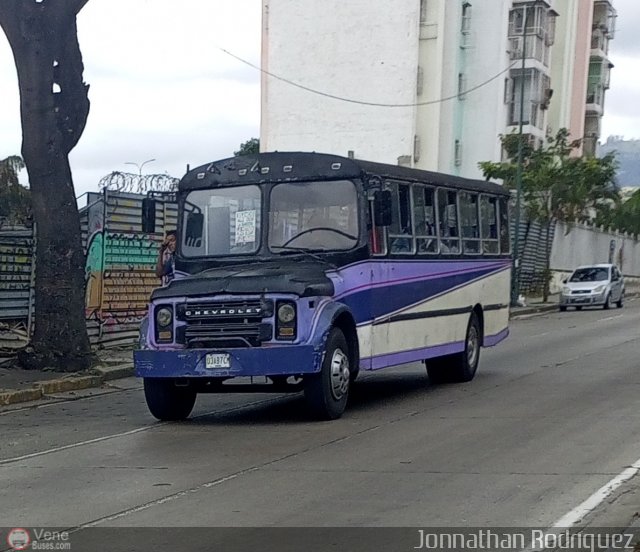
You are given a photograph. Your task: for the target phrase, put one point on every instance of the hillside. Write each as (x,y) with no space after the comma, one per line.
(628,155)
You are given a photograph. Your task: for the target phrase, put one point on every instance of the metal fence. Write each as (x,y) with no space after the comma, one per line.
(119,269)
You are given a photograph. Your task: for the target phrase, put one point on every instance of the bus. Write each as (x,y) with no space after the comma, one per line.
(296,271)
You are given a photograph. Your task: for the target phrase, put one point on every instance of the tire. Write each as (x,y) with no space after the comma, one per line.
(620,303)
(578,308)
(461,367)
(166,401)
(327,391)
(607,302)
(563,309)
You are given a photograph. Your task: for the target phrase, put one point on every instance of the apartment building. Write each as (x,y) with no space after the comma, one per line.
(432,83)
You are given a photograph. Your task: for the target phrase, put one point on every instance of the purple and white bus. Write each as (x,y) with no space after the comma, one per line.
(302,269)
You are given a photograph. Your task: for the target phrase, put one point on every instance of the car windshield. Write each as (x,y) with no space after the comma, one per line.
(230,218)
(591,274)
(318,216)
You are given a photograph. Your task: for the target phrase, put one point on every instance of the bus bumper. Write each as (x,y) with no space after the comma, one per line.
(257,361)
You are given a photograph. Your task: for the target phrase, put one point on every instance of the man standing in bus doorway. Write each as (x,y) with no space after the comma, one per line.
(166,258)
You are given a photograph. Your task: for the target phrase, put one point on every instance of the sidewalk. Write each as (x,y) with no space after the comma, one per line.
(17,386)
(534,305)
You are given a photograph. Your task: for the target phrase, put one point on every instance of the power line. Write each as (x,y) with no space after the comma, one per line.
(360,102)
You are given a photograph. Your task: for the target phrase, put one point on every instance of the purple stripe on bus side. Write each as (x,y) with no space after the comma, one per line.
(493,340)
(423,277)
(413,355)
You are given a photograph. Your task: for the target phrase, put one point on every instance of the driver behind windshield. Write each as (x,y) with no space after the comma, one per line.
(320,232)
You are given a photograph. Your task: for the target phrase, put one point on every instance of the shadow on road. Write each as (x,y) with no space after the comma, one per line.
(369,393)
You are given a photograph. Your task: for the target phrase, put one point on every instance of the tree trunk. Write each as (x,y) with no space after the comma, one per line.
(54,108)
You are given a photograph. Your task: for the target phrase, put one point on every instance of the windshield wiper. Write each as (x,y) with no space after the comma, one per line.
(304,250)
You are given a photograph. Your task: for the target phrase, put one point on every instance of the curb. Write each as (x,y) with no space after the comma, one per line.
(40,389)
(533,310)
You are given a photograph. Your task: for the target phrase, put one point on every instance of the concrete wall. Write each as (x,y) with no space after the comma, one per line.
(584,245)
(358,50)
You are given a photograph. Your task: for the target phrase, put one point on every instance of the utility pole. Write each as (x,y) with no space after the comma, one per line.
(515,278)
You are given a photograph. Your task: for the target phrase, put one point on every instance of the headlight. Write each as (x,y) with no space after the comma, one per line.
(164,317)
(566,290)
(286,313)
(599,289)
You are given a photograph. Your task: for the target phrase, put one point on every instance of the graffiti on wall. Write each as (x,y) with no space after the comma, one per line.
(120,274)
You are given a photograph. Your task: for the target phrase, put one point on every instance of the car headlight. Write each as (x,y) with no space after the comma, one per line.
(164,317)
(599,289)
(286,313)
(566,290)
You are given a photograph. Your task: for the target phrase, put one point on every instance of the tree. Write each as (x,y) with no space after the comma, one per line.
(54,107)
(556,186)
(249,147)
(15,201)
(623,216)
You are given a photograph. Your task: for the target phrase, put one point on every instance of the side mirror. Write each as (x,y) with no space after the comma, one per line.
(148,215)
(195,227)
(382,208)
(565,281)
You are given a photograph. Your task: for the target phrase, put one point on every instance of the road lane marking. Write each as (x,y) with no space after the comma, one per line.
(597,498)
(570,519)
(133,431)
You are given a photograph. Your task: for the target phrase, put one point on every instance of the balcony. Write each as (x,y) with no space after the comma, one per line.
(595,99)
(600,44)
(604,17)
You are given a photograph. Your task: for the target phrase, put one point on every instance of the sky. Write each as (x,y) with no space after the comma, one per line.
(161,88)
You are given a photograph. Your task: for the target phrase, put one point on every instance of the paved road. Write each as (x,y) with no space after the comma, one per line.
(552,416)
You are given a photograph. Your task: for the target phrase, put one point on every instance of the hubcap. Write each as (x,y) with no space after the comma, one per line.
(473,346)
(339,374)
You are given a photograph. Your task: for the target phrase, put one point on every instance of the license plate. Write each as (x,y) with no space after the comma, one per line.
(217,360)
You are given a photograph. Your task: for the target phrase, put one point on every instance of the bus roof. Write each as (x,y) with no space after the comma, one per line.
(301,166)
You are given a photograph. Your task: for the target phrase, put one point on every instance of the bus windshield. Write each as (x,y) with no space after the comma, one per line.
(231,225)
(318,216)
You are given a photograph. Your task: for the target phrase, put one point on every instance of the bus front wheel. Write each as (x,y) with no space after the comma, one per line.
(168,401)
(327,391)
(460,367)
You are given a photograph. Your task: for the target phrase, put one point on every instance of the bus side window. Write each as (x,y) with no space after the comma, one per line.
(424,216)
(401,229)
(448,222)
(505,238)
(470,224)
(489,225)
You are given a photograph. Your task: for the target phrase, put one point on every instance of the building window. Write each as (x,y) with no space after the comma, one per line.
(465,26)
(420,85)
(536,85)
(423,11)
(462,86)
(538,24)
(466,18)
(457,153)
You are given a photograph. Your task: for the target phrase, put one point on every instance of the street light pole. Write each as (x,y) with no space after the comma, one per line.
(515,280)
(139,165)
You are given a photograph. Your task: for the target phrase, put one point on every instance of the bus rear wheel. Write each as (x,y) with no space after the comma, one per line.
(327,391)
(460,367)
(168,402)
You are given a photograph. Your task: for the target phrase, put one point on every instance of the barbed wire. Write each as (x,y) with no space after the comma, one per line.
(138,184)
